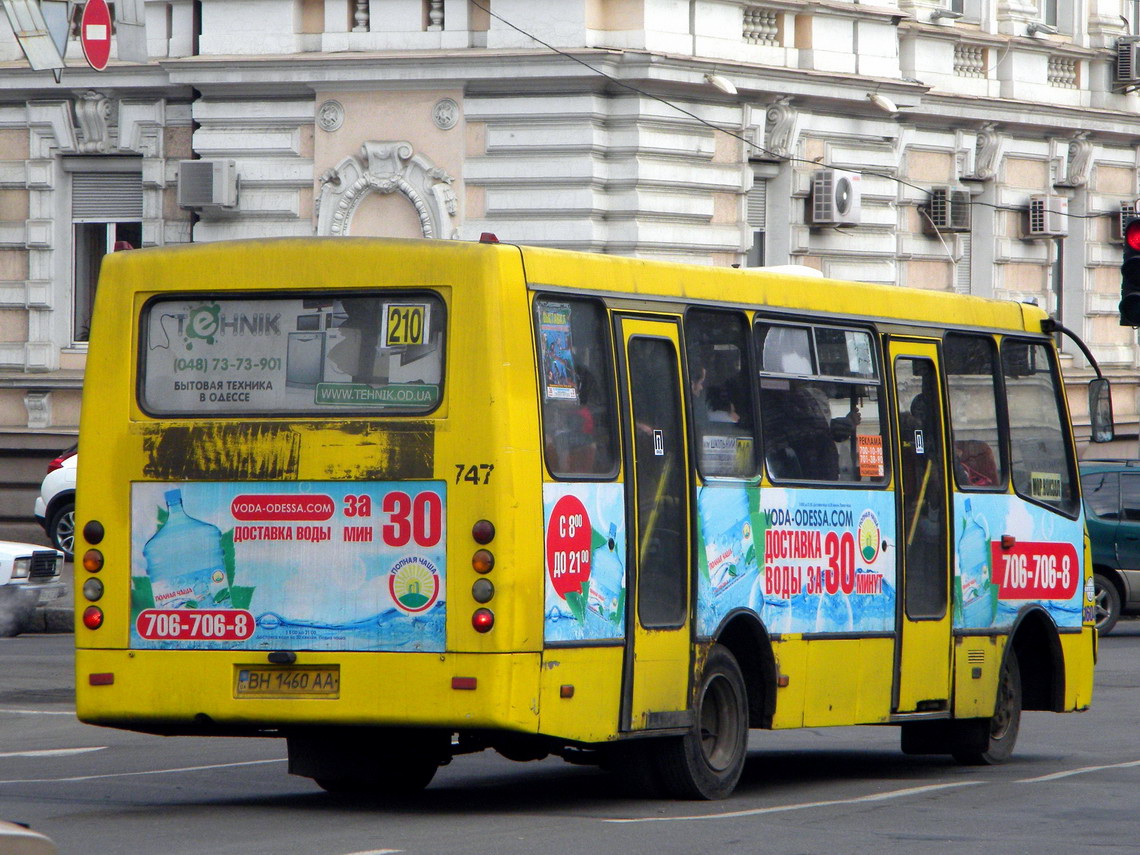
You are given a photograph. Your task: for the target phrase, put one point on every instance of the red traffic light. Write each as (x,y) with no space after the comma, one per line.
(1130,275)
(1132,234)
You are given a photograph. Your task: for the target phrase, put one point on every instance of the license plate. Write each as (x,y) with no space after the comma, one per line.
(252,681)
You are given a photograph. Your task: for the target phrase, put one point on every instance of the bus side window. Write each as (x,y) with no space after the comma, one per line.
(721,393)
(975,423)
(1041,460)
(820,428)
(576,377)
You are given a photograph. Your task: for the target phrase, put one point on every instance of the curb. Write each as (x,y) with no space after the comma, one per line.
(52,620)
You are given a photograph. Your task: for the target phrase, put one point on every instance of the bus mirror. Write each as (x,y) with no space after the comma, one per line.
(1100,410)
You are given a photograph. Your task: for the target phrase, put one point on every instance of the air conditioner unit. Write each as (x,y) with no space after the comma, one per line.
(834,197)
(946,210)
(1048,216)
(207,184)
(1128,59)
(1127,212)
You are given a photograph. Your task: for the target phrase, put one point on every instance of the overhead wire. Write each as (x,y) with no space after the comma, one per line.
(752,144)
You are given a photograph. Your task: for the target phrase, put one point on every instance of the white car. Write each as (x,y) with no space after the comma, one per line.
(18,839)
(30,577)
(55,506)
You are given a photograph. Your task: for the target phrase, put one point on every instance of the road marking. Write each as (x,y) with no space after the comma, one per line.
(38,712)
(80,778)
(875,797)
(1056,775)
(376,852)
(52,752)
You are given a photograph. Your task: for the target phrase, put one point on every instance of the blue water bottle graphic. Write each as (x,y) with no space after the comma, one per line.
(607,581)
(977,594)
(184,561)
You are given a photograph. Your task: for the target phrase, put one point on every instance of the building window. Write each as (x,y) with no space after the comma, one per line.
(106,214)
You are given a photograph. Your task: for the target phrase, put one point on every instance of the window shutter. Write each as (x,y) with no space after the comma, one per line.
(758,204)
(106,196)
(962,271)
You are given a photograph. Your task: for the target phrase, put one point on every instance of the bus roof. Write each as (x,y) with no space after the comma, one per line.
(782,289)
(278,261)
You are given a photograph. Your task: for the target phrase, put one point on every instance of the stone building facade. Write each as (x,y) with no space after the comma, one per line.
(688,130)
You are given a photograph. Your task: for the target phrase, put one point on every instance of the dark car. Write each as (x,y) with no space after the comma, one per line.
(1112,507)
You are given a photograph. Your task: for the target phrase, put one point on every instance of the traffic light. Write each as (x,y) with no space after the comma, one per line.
(1130,275)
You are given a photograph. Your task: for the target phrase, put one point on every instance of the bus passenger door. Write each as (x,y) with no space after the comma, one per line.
(922,679)
(655,679)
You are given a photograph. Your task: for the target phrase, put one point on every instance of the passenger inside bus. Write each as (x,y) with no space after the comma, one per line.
(721,407)
(802,436)
(975,464)
(573,441)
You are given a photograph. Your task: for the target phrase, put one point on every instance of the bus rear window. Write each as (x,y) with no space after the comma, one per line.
(312,354)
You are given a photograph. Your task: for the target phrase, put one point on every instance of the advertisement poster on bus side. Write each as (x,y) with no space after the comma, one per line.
(309,565)
(1040,562)
(585,549)
(806,561)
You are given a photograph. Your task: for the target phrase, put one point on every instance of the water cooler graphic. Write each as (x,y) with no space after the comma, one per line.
(305,358)
(184,561)
(976,591)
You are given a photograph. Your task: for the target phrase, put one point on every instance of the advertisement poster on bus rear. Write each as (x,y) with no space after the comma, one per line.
(806,561)
(309,565)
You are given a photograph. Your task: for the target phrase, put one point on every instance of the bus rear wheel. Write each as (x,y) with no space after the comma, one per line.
(706,762)
(988,742)
(369,762)
(403,778)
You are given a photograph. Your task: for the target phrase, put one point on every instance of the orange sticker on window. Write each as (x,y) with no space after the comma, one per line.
(871,456)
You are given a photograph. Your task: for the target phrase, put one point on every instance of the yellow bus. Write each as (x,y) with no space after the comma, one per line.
(401,500)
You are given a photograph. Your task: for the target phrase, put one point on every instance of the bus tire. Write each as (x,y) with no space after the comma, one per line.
(391,763)
(405,776)
(988,742)
(706,762)
(1106,601)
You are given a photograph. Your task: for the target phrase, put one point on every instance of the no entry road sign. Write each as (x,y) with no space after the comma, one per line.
(95,33)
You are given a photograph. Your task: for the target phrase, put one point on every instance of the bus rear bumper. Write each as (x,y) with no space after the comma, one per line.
(209,692)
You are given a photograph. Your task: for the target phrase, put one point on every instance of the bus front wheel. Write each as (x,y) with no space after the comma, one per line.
(706,762)
(987,742)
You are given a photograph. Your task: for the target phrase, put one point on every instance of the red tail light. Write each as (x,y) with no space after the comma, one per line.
(92,617)
(58,462)
(483,620)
